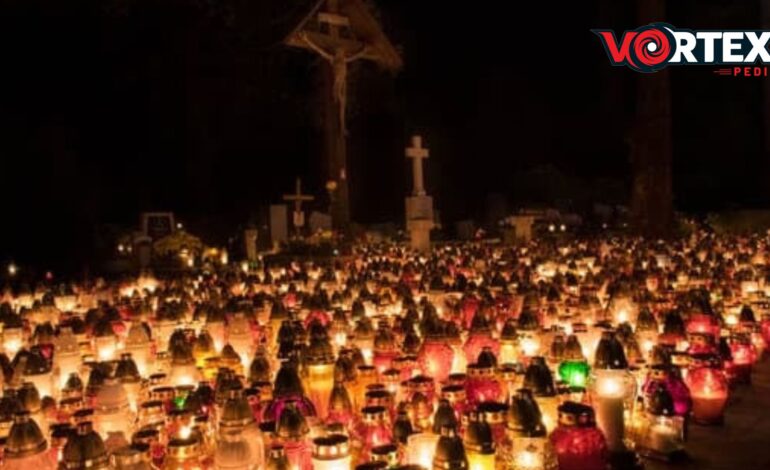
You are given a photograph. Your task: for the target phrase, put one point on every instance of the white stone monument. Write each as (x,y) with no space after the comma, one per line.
(419,206)
(298,198)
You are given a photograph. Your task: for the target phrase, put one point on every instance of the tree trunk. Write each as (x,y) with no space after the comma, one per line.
(652,197)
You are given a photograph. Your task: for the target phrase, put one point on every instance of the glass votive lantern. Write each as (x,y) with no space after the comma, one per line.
(106,346)
(435,358)
(292,432)
(373,430)
(612,394)
(38,371)
(385,349)
(240,338)
(26,446)
(139,345)
(539,380)
(661,432)
(66,354)
(578,444)
(421,448)
(509,343)
(482,384)
(494,414)
(709,390)
(450,452)
(112,412)
(13,340)
(479,444)
(85,449)
(669,377)
(331,453)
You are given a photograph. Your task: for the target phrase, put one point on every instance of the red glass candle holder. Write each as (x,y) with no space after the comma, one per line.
(709,390)
(578,443)
(435,358)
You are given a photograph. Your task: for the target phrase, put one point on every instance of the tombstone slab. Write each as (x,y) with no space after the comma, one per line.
(279,223)
(250,236)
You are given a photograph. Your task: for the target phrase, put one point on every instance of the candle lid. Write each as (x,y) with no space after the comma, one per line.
(332,447)
(576,414)
(478,437)
(387,453)
(374,414)
(25,438)
(85,449)
(538,378)
(372,466)
(492,412)
(291,423)
(453,393)
(130,456)
(660,402)
(444,417)
(379,397)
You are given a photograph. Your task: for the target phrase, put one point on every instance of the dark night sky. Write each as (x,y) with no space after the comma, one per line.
(111,107)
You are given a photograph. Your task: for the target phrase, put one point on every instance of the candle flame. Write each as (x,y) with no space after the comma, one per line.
(185,432)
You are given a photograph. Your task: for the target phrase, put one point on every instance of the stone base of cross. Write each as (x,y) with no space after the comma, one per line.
(419,234)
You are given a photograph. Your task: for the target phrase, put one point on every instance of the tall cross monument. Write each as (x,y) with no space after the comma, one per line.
(341,32)
(298,198)
(419,206)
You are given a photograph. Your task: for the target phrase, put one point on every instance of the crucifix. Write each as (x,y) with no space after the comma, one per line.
(339,59)
(417,153)
(341,32)
(419,206)
(298,198)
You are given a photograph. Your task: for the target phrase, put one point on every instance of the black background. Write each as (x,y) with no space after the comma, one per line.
(111,107)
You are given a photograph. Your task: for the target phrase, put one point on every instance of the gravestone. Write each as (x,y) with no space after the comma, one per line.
(320,222)
(279,224)
(522,225)
(419,206)
(157,225)
(143,251)
(466,229)
(250,236)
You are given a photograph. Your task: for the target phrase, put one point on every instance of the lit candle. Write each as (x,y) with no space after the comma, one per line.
(421,448)
(609,393)
(331,453)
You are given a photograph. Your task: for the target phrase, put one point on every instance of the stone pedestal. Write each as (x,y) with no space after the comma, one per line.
(279,223)
(419,234)
(523,226)
(419,221)
(250,236)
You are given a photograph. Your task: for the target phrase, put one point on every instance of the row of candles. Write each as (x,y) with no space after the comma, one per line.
(474,357)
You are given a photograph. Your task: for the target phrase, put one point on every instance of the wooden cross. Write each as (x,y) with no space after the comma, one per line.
(417,153)
(298,198)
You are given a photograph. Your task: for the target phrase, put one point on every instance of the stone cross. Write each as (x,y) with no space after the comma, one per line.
(417,153)
(298,198)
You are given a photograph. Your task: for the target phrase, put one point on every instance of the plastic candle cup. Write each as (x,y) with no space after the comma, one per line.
(436,358)
(574,373)
(320,384)
(331,453)
(578,444)
(421,448)
(709,390)
(610,390)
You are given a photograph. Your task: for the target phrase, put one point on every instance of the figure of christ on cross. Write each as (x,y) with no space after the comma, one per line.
(339,63)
